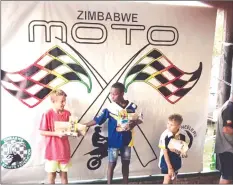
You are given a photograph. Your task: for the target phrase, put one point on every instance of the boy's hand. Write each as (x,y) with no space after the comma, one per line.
(127,127)
(130,125)
(175,151)
(184,155)
(79,134)
(61,134)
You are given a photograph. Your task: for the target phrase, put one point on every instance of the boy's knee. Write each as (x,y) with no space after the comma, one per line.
(111,165)
(51,177)
(125,163)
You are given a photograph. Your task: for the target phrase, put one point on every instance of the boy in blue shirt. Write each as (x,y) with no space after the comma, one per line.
(117,141)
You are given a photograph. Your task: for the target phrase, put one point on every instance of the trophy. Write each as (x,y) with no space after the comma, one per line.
(71,128)
(179,145)
(124,117)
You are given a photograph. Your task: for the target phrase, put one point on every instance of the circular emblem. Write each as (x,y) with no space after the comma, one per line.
(15,152)
(191,133)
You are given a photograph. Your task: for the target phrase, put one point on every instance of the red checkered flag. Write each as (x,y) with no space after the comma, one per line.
(52,70)
(155,69)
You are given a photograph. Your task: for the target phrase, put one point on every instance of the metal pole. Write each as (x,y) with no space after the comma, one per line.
(226,60)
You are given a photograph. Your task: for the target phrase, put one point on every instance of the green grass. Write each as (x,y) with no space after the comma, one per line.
(208,147)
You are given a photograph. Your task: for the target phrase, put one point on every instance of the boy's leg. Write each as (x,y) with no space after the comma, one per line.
(167,179)
(111,167)
(51,168)
(125,171)
(125,160)
(51,177)
(174,181)
(64,179)
(112,160)
(63,171)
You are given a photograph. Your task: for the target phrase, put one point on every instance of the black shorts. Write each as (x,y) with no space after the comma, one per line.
(226,165)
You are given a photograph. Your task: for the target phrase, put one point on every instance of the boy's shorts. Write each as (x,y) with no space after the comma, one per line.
(113,153)
(54,166)
(166,172)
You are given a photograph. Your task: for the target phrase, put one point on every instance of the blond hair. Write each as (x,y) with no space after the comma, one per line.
(57,93)
(176,117)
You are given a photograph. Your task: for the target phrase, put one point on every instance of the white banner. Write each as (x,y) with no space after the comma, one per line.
(162,54)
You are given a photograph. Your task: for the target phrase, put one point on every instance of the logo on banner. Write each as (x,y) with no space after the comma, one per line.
(190,132)
(15,152)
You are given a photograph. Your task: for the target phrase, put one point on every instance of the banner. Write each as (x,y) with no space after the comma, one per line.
(162,54)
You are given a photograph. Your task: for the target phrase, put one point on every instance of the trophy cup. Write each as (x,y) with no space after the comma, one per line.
(71,128)
(124,117)
(179,145)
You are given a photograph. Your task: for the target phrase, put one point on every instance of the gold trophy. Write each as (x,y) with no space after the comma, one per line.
(179,145)
(124,117)
(71,128)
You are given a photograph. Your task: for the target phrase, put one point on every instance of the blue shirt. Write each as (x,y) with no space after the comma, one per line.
(110,114)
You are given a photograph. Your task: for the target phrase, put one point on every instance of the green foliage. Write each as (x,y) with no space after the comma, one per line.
(219,29)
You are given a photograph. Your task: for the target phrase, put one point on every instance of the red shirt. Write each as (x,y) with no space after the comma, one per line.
(57,148)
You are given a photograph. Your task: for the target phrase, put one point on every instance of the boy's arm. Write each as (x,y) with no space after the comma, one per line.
(98,120)
(163,145)
(50,133)
(228,120)
(90,123)
(167,159)
(136,122)
(168,162)
(133,123)
(44,128)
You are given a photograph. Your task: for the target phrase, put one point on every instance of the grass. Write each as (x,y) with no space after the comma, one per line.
(209,147)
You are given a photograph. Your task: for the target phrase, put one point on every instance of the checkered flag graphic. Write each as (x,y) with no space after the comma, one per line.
(4,150)
(156,70)
(51,71)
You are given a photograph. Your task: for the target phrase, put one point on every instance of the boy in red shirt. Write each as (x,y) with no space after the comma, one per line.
(57,152)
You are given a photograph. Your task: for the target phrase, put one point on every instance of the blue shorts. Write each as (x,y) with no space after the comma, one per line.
(166,172)
(113,153)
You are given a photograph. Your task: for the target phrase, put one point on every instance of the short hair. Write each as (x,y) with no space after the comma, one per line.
(176,117)
(119,86)
(54,94)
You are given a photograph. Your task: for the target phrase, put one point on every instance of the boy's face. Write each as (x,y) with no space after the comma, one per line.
(60,103)
(173,126)
(116,94)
